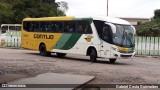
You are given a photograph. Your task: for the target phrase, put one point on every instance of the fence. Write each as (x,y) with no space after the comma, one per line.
(10,39)
(148,46)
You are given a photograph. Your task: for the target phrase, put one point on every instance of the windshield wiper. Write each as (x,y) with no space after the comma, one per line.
(130,39)
(127,38)
(123,38)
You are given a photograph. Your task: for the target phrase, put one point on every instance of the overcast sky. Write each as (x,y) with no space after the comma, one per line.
(117,8)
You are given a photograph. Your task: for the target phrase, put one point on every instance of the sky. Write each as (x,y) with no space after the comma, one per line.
(117,8)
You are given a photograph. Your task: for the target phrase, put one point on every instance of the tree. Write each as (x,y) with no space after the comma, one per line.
(7,1)
(63,6)
(151,28)
(13,11)
(157,14)
(35,9)
(6,13)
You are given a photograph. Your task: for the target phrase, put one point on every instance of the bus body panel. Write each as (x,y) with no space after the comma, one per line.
(32,41)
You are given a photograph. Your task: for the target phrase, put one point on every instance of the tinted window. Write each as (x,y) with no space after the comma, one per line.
(99,27)
(104,31)
(12,28)
(45,27)
(57,26)
(80,27)
(106,34)
(69,26)
(87,27)
(35,26)
(18,28)
(4,29)
(26,26)
(84,27)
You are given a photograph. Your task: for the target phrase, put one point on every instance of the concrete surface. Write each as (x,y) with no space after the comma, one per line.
(17,63)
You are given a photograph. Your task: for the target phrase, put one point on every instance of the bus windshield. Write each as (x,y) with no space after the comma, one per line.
(4,29)
(124,36)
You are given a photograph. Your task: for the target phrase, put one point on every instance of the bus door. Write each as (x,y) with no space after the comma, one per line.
(105,45)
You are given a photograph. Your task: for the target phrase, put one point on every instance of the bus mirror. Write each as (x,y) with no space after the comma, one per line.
(113,27)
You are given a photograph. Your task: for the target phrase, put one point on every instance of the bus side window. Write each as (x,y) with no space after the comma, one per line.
(106,33)
(54,27)
(42,26)
(70,26)
(47,27)
(36,26)
(87,27)
(57,27)
(60,26)
(12,28)
(73,26)
(80,27)
(18,28)
(32,27)
(27,26)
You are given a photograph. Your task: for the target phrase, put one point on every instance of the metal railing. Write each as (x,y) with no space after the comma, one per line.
(10,39)
(148,46)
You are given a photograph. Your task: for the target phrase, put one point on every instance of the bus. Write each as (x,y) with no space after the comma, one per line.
(8,28)
(97,37)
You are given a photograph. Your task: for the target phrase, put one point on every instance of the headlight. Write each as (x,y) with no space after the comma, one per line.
(114,48)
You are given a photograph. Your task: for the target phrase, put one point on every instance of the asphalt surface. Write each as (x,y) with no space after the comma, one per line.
(20,63)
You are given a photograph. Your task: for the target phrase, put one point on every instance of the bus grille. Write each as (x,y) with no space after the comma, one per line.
(126,55)
(126,51)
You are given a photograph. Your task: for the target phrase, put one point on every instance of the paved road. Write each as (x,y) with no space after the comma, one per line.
(18,63)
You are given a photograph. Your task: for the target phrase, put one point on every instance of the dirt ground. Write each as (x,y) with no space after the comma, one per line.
(20,63)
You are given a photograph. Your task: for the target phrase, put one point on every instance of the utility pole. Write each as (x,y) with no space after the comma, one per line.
(107,7)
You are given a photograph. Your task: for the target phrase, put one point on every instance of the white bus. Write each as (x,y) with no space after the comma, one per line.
(7,28)
(102,37)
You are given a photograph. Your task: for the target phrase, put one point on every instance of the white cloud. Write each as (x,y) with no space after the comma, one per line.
(117,8)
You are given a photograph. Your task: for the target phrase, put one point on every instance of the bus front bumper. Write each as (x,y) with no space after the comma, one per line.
(122,55)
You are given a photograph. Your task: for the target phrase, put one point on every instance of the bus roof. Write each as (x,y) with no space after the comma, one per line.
(112,20)
(11,25)
(49,18)
(68,18)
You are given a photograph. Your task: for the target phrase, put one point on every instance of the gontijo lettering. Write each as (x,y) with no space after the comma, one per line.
(43,36)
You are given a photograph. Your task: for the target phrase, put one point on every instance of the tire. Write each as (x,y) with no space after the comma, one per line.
(61,54)
(43,51)
(93,55)
(112,60)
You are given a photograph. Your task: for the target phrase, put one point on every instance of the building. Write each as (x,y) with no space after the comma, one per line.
(134,21)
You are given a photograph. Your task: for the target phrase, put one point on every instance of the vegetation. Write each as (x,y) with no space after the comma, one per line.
(151,28)
(13,11)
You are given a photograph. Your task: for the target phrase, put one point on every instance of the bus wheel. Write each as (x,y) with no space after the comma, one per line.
(93,55)
(112,60)
(61,54)
(42,50)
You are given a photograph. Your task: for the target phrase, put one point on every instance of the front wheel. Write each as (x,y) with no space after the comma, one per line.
(43,51)
(112,60)
(93,55)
